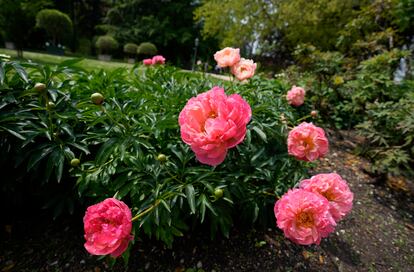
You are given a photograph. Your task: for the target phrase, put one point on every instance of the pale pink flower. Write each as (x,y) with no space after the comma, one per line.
(334,189)
(304,216)
(227,57)
(213,122)
(244,69)
(147,62)
(307,142)
(296,96)
(107,227)
(158,59)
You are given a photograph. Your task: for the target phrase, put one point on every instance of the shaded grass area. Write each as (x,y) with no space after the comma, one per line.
(87,64)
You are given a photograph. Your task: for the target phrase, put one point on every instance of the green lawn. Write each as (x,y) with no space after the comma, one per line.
(88,64)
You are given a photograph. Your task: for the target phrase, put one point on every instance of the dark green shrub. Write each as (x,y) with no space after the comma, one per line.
(85,46)
(119,142)
(106,44)
(130,48)
(389,133)
(57,24)
(147,48)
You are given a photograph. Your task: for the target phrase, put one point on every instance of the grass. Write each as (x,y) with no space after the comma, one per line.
(87,64)
(93,64)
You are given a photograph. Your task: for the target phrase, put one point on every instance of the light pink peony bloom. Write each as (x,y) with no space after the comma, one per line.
(158,59)
(147,62)
(304,216)
(334,189)
(213,122)
(307,142)
(227,57)
(296,96)
(107,227)
(244,69)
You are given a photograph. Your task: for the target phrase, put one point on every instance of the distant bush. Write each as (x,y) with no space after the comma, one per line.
(57,24)
(147,48)
(106,44)
(130,48)
(85,46)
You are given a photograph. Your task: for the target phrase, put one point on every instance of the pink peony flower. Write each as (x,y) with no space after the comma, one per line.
(158,59)
(227,57)
(147,62)
(213,122)
(296,96)
(107,227)
(244,69)
(334,189)
(304,216)
(307,142)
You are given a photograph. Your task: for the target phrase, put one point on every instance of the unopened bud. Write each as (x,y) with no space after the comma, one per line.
(40,87)
(97,98)
(314,113)
(161,157)
(75,162)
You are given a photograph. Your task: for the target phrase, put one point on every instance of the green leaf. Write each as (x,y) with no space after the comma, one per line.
(261,134)
(59,166)
(2,73)
(106,150)
(190,194)
(20,71)
(14,133)
(70,62)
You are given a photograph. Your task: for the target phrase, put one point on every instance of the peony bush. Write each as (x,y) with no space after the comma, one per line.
(179,148)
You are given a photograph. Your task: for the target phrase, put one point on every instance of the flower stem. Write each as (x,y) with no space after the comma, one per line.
(303,118)
(144,212)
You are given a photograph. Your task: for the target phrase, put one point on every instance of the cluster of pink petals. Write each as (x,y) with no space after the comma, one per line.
(154,60)
(107,227)
(296,96)
(230,57)
(213,122)
(244,69)
(227,57)
(304,216)
(307,142)
(334,189)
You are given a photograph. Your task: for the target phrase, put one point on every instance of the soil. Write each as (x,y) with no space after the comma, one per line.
(378,235)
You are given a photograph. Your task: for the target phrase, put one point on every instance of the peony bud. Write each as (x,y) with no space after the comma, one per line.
(314,114)
(161,157)
(40,87)
(218,193)
(50,105)
(75,162)
(97,98)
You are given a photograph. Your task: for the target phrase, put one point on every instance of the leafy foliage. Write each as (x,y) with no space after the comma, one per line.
(57,24)
(147,49)
(106,44)
(130,146)
(130,48)
(389,130)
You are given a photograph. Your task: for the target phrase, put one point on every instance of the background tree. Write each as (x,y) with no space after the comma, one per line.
(169,25)
(57,24)
(17,18)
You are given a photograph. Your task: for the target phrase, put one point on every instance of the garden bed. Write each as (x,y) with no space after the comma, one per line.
(376,236)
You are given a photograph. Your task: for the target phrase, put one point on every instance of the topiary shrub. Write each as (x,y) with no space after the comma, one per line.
(147,48)
(57,24)
(106,44)
(130,48)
